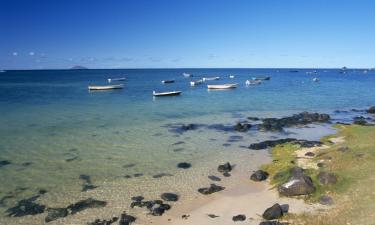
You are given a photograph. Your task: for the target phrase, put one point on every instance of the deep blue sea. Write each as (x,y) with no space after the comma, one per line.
(52,129)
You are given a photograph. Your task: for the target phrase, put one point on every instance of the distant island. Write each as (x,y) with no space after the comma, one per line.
(79,68)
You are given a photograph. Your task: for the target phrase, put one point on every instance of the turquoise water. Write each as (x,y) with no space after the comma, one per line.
(51,122)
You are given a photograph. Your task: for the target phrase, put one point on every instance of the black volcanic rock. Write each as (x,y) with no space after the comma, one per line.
(26,207)
(259,175)
(86,204)
(274,212)
(212,189)
(126,219)
(297,184)
(273,143)
(55,213)
(240,217)
(225,168)
(169,197)
(371,110)
(242,127)
(184,165)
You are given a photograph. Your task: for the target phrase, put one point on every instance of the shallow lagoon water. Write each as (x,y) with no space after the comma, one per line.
(53,130)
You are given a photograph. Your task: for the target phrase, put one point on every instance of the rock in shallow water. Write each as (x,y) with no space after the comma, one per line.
(214,178)
(126,219)
(242,127)
(225,168)
(184,165)
(85,204)
(259,175)
(4,163)
(240,217)
(273,143)
(169,197)
(371,110)
(212,189)
(26,207)
(104,222)
(55,213)
(274,212)
(298,184)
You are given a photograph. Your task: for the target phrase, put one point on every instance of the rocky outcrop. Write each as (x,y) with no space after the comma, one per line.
(259,175)
(274,212)
(211,189)
(85,204)
(126,219)
(242,127)
(26,207)
(304,118)
(298,184)
(55,213)
(371,110)
(273,143)
(326,178)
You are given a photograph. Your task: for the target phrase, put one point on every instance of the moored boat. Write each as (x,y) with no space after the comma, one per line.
(231,76)
(262,78)
(168,93)
(106,87)
(196,82)
(210,78)
(222,86)
(315,79)
(167,81)
(253,82)
(116,79)
(187,74)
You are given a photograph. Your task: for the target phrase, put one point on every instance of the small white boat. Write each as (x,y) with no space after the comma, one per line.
(196,82)
(253,82)
(315,79)
(106,87)
(210,78)
(169,93)
(231,76)
(222,86)
(187,74)
(116,79)
(167,81)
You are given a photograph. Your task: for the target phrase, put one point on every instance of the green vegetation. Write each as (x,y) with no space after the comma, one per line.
(353,161)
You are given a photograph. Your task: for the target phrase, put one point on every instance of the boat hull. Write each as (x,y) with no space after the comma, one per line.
(162,94)
(222,86)
(108,87)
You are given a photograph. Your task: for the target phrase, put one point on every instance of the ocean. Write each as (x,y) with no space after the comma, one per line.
(53,130)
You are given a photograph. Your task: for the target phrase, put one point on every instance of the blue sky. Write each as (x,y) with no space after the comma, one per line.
(40,34)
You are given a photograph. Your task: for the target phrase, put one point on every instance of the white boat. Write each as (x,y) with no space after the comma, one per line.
(210,78)
(253,82)
(222,86)
(167,81)
(116,79)
(169,93)
(196,82)
(315,79)
(231,76)
(106,87)
(187,74)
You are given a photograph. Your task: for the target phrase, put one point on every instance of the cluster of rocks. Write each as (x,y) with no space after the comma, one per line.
(242,127)
(225,169)
(273,143)
(125,219)
(304,118)
(155,207)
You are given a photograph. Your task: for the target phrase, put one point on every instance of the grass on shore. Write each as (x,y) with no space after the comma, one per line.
(353,194)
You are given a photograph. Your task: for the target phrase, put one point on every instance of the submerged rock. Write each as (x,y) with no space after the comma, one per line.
(212,189)
(298,184)
(212,216)
(126,219)
(240,217)
(87,187)
(225,168)
(4,163)
(242,127)
(169,197)
(259,175)
(214,178)
(86,204)
(326,178)
(188,127)
(184,165)
(55,213)
(274,212)
(160,175)
(26,207)
(360,120)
